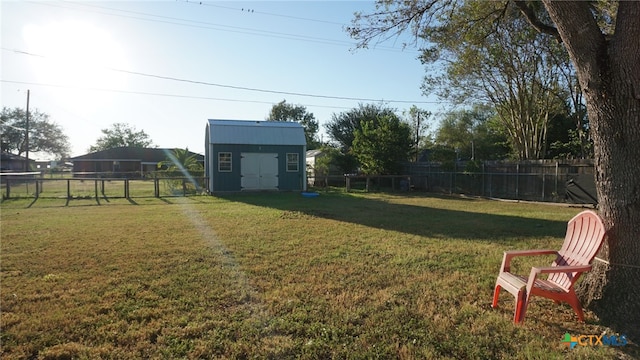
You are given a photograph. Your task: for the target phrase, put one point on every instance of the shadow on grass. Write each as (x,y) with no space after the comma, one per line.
(51,202)
(411,219)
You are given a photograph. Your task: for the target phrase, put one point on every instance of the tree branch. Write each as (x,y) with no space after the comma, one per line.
(531,17)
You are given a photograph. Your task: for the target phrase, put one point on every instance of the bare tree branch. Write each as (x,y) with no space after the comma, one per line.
(531,17)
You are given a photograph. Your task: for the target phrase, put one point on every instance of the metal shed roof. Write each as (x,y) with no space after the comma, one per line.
(255,132)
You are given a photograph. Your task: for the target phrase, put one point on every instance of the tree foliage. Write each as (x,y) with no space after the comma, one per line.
(345,162)
(569,137)
(486,52)
(473,134)
(333,159)
(181,161)
(121,135)
(506,63)
(382,145)
(418,120)
(44,135)
(343,126)
(297,113)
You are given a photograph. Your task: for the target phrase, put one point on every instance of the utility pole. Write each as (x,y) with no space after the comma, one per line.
(26,136)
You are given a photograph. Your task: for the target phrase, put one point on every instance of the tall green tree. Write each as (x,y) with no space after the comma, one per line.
(383,145)
(604,49)
(283,111)
(342,127)
(44,135)
(121,135)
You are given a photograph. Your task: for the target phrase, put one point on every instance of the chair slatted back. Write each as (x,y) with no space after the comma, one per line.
(584,237)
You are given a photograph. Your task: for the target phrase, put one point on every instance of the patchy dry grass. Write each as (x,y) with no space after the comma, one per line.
(277,276)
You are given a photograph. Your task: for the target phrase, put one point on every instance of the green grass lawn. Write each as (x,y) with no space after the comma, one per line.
(278,276)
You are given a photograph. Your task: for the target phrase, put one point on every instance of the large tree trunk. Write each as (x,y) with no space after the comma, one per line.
(609,74)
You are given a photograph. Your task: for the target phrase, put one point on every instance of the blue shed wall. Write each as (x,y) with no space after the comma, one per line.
(231,181)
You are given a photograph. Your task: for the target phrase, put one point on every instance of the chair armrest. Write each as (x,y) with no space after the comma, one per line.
(535,271)
(560,269)
(509,255)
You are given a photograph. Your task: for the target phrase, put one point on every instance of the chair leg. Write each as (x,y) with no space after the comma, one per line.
(575,304)
(521,306)
(578,310)
(496,294)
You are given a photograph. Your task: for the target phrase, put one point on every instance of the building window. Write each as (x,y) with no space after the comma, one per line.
(292,162)
(224,162)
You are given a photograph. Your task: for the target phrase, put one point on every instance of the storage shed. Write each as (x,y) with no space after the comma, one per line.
(243,155)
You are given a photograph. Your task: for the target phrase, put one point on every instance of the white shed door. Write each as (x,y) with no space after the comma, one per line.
(259,171)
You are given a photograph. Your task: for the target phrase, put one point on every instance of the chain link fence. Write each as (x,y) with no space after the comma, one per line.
(542,180)
(100,185)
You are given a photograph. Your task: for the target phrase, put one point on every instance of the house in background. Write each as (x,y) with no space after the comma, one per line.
(123,161)
(311,156)
(255,155)
(15,163)
(317,175)
(53,165)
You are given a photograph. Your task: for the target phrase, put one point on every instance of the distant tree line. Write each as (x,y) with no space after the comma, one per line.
(377,139)
(44,135)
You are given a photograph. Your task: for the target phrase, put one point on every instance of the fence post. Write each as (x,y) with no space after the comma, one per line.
(556,181)
(348,180)
(490,185)
(68,189)
(543,178)
(8,188)
(483,175)
(450,183)
(518,181)
(96,189)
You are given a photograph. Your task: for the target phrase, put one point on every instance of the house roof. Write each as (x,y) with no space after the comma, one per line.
(255,132)
(7,156)
(153,155)
(314,152)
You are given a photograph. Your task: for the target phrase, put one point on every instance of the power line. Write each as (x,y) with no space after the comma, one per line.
(158,94)
(263,13)
(263,90)
(206,83)
(218,27)
(211,26)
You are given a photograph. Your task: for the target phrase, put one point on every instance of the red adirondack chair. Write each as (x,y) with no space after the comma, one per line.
(585,235)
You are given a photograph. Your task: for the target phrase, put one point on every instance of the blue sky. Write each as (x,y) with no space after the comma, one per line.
(165,67)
